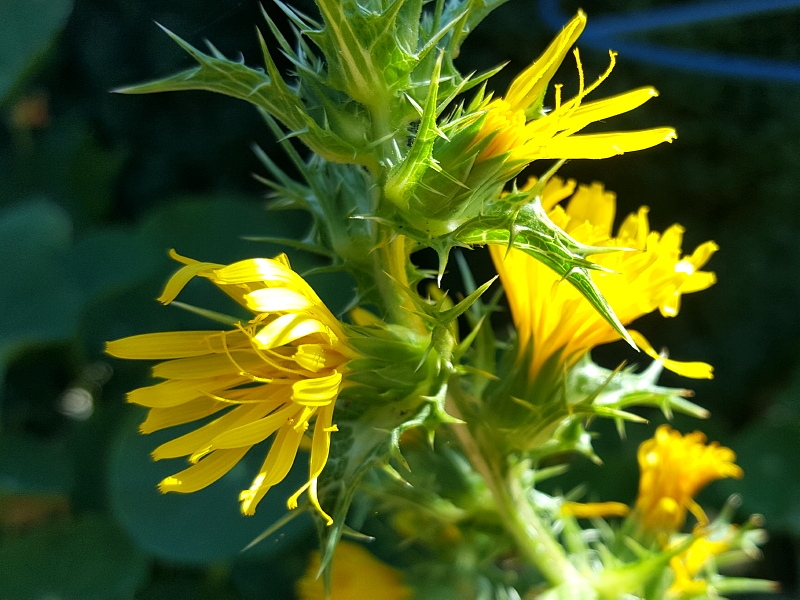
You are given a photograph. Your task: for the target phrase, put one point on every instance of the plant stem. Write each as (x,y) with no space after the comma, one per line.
(533,539)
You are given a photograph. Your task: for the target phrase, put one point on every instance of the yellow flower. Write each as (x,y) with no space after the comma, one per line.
(517,127)
(356,574)
(647,274)
(688,564)
(673,469)
(269,376)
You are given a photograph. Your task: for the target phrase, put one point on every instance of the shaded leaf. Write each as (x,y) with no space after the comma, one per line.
(201,527)
(27,28)
(86,559)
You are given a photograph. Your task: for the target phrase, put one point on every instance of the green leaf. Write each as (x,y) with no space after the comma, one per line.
(532,231)
(31,466)
(86,559)
(356,448)
(216,74)
(212,228)
(370,53)
(39,301)
(267,91)
(65,163)
(767,454)
(27,28)
(202,527)
(407,175)
(623,388)
(49,281)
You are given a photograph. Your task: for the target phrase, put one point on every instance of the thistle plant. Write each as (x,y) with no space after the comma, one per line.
(409,401)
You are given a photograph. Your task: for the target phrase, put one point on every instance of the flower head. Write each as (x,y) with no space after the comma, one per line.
(648,273)
(269,376)
(478,148)
(356,574)
(673,469)
(517,126)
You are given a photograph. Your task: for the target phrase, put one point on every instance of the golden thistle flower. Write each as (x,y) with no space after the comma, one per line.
(356,574)
(517,126)
(270,376)
(673,469)
(553,317)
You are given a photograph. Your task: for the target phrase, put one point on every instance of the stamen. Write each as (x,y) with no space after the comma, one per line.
(278,366)
(612,62)
(243,372)
(581,81)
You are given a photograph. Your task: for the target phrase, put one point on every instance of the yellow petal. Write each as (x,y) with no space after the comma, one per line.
(200,439)
(204,473)
(592,112)
(555,190)
(318,391)
(703,253)
(529,85)
(167,344)
(595,205)
(255,431)
(279,460)
(321,443)
(320,447)
(694,370)
(181,277)
(265,270)
(599,145)
(288,328)
(311,357)
(237,362)
(161,418)
(636,227)
(590,510)
(698,281)
(172,393)
(272,300)
(363,318)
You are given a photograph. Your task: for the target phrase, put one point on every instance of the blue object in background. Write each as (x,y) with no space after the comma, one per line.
(606,32)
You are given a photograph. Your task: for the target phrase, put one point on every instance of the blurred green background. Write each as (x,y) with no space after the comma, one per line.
(95,187)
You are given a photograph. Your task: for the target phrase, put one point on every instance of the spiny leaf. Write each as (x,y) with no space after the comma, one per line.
(406,177)
(534,233)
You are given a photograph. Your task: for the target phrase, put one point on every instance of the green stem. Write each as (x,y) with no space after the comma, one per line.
(533,539)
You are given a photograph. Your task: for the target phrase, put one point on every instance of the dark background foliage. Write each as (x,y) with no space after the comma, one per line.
(94,187)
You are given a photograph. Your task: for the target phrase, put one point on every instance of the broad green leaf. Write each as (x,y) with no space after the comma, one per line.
(65,163)
(27,28)
(39,301)
(49,281)
(31,466)
(86,559)
(769,467)
(474,11)
(202,527)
